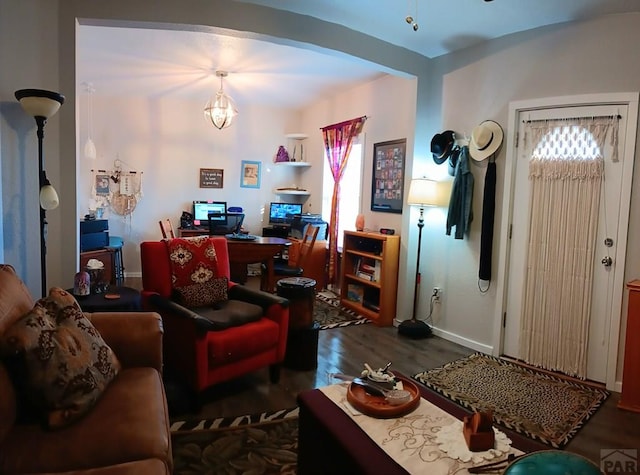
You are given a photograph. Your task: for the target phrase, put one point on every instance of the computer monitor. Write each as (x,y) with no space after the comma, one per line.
(232,224)
(283,213)
(201,210)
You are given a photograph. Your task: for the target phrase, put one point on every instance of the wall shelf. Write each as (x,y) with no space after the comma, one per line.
(293,164)
(291,192)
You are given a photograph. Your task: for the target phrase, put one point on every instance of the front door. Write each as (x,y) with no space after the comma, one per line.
(609,247)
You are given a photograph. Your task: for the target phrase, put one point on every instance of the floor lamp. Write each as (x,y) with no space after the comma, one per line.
(41,105)
(422,192)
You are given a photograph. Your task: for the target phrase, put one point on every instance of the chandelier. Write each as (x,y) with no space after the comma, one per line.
(220,110)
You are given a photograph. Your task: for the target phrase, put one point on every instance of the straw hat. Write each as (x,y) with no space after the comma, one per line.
(486,139)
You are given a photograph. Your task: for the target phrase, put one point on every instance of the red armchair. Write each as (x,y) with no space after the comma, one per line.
(200,349)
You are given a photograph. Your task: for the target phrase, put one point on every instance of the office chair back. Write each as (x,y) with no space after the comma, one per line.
(295,267)
(306,246)
(225,223)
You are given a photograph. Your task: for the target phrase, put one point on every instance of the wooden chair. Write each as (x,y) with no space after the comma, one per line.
(294,267)
(166,228)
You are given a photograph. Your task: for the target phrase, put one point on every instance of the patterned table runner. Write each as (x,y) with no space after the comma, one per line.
(420,441)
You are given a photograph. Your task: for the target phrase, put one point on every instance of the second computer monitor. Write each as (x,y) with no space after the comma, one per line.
(283,213)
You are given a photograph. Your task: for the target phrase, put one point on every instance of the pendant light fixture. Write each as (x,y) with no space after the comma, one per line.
(220,110)
(89,146)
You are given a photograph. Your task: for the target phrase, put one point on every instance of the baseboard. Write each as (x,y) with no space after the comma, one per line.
(133,274)
(474,345)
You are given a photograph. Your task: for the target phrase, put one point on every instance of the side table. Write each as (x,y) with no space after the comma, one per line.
(128,300)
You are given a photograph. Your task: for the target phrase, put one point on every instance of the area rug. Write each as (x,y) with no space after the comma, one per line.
(329,314)
(264,443)
(539,405)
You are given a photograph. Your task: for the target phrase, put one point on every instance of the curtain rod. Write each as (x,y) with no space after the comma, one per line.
(364,117)
(576,118)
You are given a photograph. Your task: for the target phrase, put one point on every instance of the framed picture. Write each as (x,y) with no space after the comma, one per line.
(211,177)
(250,174)
(387,184)
(102,184)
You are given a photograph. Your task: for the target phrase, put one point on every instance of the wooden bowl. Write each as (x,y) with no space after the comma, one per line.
(377,406)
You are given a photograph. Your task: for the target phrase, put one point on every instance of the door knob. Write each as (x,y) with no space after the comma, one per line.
(607,261)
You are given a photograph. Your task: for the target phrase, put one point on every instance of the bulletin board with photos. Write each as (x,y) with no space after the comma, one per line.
(387,187)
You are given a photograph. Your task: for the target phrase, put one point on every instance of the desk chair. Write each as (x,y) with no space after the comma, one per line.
(166,228)
(294,267)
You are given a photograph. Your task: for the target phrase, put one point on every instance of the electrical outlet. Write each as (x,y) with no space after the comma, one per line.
(437,294)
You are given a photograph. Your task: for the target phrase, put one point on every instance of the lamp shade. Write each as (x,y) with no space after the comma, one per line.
(38,102)
(49,197)
(425,192)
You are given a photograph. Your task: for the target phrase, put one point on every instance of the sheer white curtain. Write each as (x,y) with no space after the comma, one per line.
(566,170)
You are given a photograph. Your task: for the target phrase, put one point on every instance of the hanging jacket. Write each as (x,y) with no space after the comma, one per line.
(460,214)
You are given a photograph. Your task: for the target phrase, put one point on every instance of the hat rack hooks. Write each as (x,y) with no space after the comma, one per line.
(461,140)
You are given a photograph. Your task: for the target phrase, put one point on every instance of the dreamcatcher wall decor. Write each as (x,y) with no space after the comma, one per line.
(118,189)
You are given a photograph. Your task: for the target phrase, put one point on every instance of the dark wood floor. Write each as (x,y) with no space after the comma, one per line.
(347,349)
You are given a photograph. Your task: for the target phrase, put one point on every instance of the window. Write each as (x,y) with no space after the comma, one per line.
(351,190)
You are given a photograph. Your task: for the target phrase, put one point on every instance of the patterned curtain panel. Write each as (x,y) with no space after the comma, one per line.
(566,171)
(337,142)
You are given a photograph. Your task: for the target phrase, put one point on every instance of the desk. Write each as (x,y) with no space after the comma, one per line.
(242,252)
(249,252)
(199,231)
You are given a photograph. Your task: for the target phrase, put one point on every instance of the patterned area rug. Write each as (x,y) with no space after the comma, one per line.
(541,406)
(329,314)
(264,443)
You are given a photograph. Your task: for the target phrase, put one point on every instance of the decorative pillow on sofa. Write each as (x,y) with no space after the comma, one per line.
(204,294)
(67,363)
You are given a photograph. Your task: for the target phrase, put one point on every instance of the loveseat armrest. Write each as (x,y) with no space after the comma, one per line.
(135,337)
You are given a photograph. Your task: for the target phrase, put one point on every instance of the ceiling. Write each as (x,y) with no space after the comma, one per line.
(148,62)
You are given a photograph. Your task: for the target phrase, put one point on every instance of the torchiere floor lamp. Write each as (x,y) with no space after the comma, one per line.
(41,105)
(422,192)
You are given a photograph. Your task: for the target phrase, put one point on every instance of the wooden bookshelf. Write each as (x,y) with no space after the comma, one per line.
(369,275)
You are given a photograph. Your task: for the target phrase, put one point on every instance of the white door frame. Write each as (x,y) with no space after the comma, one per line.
(629,99)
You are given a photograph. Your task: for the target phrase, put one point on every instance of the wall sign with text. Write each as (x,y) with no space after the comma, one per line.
(211,177)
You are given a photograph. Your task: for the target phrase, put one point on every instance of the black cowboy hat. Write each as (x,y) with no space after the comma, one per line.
(441,146)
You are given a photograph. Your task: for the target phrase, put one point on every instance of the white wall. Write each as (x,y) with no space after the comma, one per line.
(168,141)
(471,86)
(28,59)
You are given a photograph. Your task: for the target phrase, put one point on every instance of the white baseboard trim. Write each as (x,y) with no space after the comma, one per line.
(474,345)
(133,274)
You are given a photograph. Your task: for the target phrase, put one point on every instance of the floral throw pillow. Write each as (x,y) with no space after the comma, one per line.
(67,363)
(193,260)
(205,294)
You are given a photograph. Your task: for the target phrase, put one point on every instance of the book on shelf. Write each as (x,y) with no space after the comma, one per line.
(355,292)
(365,276)
(367,269)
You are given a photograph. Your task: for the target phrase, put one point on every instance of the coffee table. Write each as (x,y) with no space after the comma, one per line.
(330,442)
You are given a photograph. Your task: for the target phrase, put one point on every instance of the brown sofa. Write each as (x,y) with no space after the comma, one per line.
(127,432)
